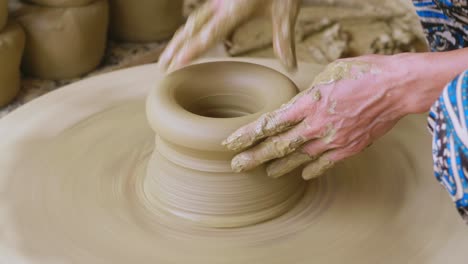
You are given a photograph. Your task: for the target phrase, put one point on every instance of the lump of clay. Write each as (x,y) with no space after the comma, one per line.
(12,39)
(145,20)
(60,3)
(3,13)
(63,42)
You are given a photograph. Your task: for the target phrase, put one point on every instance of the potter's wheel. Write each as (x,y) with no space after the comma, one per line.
(60,204)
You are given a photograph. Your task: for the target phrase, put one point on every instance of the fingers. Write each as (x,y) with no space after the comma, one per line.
(281,145)
(170,50)
(309,152)
(213,31)
(273,147)
(271,123)
(212,23)
(284,15)
(193,25)
(317,167)
(329,158)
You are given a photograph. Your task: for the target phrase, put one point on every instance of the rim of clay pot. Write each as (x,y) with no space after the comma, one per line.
(200,105)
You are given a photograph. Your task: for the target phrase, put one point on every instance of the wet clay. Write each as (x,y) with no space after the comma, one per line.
(334,72)
(144,20)
(189,174)
(287,164)
(317,168)
(343,69)
(3,13)
(266,126)
(63,42)
(75,191)
(60,3)
(12,40)
(329,30)
(270,125)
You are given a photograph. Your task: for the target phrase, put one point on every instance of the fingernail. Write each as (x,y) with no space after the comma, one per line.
(232,142)
(162,65)
(172,66)
(162,68)
(287,164)
(164,59)
(274,173)
(317,168)
(177,63)
(241,162)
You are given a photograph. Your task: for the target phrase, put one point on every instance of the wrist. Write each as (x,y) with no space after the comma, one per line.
(418,81)
(422,77)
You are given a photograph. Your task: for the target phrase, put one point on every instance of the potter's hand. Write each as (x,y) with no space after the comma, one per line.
(217,18)
(349,105)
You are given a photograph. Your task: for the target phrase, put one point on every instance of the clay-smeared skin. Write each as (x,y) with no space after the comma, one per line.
(189,173)
(312,124)
(72,191)
(12,40)
(63,43)
(216,19)
(144,20)
(3,13)
(285,165)
(268,124)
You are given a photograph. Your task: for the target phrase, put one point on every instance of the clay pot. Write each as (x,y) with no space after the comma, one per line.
(63,43)
(3,13)
(12,40)
(145,20)
(189,173)
(60,3)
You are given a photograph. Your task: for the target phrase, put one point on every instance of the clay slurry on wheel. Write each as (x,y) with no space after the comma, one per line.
(73,190)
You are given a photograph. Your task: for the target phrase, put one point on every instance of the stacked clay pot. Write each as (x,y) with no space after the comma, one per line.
(11,48)
(3,13)
(65,38)
(144,20)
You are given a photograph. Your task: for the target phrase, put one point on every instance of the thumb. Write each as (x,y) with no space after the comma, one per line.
(284,16)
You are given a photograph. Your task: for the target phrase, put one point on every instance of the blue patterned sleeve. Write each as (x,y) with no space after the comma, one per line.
(448,121)
(445,24)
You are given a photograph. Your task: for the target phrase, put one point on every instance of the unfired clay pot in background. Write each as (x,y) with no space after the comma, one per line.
(63,42)
(12,40)
(60,3)
(3,13)
(145,20)
(189,174)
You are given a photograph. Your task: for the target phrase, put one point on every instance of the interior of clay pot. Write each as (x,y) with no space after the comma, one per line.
(224,105)
(232,98)
(189,174)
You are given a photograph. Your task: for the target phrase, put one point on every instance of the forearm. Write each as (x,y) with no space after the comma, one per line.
(426,74)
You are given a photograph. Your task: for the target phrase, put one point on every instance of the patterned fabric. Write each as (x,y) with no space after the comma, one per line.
(448,121)
(445,23)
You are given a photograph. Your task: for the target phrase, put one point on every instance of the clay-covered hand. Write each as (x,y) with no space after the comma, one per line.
(349,105)
(217,18)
